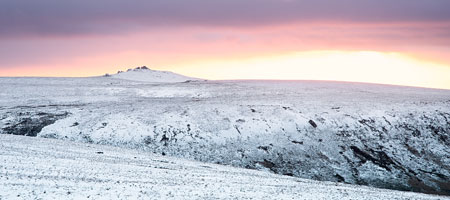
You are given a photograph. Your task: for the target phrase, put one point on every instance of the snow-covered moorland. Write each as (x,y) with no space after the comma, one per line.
(39,168)
(377,135)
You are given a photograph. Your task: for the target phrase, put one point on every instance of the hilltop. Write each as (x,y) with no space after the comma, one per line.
(145,74)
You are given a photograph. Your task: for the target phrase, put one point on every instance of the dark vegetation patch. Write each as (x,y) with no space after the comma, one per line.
(339,178)
(265,148)
(297,142)
(31,125)
(267,164)
(48,106)
(379,158)
(288,174)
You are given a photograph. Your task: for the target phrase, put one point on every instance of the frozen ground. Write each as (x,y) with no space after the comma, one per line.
(39,168)
(376,135)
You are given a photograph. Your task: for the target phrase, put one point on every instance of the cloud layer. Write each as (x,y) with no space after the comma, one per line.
(79,17)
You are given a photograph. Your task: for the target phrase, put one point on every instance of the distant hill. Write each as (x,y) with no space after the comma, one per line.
(145,74)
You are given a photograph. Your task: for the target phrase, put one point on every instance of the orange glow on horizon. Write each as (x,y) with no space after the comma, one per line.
(353,66)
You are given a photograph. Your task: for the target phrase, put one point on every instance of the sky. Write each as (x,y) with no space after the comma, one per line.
(402,42)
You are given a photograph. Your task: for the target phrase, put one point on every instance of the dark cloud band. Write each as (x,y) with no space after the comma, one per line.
(75,17)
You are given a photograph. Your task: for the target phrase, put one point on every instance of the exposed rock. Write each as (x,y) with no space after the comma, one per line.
(313,124)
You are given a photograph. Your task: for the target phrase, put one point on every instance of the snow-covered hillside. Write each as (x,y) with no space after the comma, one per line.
(35,168)
(147,75)
(377,135)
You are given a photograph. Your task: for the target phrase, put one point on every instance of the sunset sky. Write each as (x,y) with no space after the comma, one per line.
(403,42)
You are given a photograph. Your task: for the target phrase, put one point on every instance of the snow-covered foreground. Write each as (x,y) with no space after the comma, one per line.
(38,168)
(377,135)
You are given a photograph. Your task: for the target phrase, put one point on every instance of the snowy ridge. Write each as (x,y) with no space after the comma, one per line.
(377,135)
(145,74)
